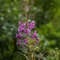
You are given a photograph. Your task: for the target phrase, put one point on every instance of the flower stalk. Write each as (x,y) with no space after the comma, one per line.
(25,10)
(28,38)
(30,54)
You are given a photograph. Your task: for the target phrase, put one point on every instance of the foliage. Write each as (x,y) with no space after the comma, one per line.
(47,17)
(54,54)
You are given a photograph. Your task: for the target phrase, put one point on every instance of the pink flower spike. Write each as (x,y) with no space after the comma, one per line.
(18,42)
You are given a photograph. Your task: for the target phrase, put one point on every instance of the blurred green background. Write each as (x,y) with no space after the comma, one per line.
(46,13)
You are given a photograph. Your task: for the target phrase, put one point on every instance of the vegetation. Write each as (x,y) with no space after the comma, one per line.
(46,14)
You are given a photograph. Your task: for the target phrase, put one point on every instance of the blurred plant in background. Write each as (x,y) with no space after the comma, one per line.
(54,54)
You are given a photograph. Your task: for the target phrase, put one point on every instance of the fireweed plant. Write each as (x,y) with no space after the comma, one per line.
(26,37)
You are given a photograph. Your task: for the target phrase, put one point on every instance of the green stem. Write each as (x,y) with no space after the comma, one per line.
(24,55)
(30,54)
(25,10)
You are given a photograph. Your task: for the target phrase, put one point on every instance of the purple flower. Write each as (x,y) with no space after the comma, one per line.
(21,27)
(33,34)
(18,42)
(31,24)
(20,35)
(23,46)
(25,40)
(17,35)
(37,39)
(27,31)
(19,22)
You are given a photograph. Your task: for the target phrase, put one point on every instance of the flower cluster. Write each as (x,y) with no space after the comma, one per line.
(26,29)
